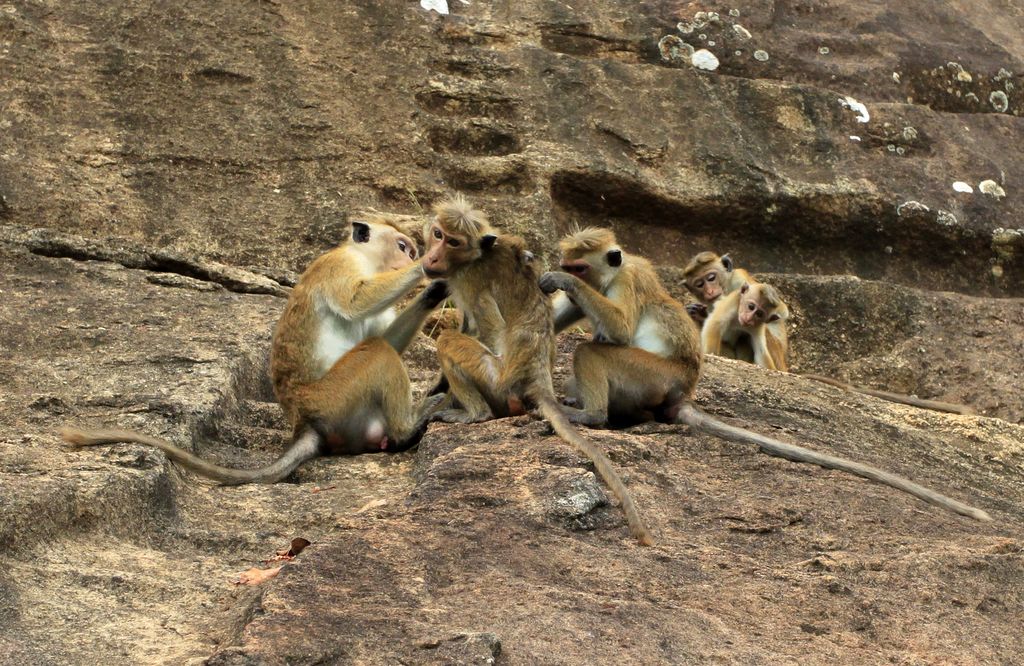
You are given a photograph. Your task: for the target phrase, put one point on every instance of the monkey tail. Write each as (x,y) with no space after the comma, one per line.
(305,447)
(566,431)
(692,416)
(934,405)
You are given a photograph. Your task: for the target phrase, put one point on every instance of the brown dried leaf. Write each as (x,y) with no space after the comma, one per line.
(255,576)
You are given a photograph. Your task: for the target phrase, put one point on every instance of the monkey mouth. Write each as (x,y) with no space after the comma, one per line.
(432,272)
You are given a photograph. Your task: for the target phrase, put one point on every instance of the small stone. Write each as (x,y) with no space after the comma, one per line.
(991,188)
(909,207)
(999,101)
(704,59)
(674,49)
(761,55)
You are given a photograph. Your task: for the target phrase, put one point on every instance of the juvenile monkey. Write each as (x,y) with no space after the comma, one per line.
(507,366)
(710,278)
(738,327)
(714,279)
(335,359)
(645,360)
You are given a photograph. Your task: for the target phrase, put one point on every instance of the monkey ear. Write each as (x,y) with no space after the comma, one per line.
(745,288)
(614,257)
(487,242)
(727,263)
(360,231)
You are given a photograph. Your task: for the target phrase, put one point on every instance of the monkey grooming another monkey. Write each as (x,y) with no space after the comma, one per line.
(712,279)
(507,366)
(335,359)
(738,327)
(646,357)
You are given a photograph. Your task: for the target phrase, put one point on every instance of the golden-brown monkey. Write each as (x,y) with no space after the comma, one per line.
(738,327)
(507,366)
(646,357)
(710,277)
(335,359)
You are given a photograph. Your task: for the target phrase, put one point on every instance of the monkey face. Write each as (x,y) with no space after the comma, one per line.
(707,285)
(446,251)
(754,308)
(391,248)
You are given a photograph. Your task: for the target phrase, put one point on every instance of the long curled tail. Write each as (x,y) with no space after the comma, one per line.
(692,416)
(566,431)
(304,448)
(934,405)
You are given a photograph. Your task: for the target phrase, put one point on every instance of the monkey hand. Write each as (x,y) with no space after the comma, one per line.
(698,312)
(435,293)
(552,281)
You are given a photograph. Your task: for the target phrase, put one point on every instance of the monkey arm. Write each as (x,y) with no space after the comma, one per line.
(567,313)
(405,327)
(711,338)
(762,355)
(368,296)
(488,320)
(612,323)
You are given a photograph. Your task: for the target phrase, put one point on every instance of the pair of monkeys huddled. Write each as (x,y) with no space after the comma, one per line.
(338,374)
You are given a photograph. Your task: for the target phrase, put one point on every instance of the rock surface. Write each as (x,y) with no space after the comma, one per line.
(165,169)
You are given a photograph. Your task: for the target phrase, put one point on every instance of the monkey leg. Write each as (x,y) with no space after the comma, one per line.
(364,402)
(626,382)
(472,372)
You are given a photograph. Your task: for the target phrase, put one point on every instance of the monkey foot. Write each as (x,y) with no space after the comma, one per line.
(585,418)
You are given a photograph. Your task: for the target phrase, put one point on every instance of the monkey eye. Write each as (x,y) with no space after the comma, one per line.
(402,246)
(453,243)
(711,277)
(698,284)
(751,306)
(437,233)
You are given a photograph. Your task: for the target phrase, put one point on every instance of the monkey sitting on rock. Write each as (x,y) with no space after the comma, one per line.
(645,359)
(335,359)
(747,321)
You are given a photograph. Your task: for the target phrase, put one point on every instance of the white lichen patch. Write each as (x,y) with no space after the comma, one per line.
(909,133)
(854,137)
(734,12)
(945,218)
(991,188)
(824,50)
(999,101)
(685,28)
(741,32)
(439,6)
(704,59)
(961,186)
(972,98)
(761,55)
(674,49)
(908,207)
(862,111)
(896,77)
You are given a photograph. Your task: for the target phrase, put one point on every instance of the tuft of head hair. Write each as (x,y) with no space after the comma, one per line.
(699,262)
(458,215)
(588,239)
(770,296)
